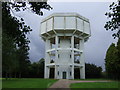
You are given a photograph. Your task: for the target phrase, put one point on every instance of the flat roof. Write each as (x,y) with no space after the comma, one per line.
(65,15)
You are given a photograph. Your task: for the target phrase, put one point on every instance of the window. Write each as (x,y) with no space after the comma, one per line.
(70,55)
(70,40)
(59,40)
(58,72)
(58,55)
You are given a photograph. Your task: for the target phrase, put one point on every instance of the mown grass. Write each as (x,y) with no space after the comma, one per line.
(95,85)
(27,83)
(94,79)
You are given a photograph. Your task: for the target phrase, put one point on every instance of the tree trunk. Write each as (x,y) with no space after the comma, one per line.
(20,75)
(10,75)
(15,75)
(6,76)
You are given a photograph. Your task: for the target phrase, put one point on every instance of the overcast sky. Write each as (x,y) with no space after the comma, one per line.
(95,47)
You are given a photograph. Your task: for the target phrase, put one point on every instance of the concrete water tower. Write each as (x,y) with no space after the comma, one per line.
(64,35)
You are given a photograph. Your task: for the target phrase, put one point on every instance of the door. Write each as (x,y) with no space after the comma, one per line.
(64,75)
(52,73)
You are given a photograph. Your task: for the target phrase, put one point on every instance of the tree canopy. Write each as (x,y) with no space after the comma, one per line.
(92,71)
(112,61)
(114,19)
(15,43)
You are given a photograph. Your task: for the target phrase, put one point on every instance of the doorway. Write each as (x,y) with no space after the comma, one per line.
(76,73)
(64,75)
(52,72)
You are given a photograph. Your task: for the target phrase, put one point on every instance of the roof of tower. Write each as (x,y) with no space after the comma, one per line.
(65,15)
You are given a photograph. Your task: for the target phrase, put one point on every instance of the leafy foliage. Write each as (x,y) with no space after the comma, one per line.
(114,16)
(30,70)
(8,54)
(112,61)
(34,7)
(36,69)
(92,71)
(15,41)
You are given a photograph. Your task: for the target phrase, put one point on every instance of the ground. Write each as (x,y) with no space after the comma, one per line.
(95,85)
(85,84)
(62,83)
(27,83)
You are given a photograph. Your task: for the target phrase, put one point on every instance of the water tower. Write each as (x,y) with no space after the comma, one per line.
(64,35)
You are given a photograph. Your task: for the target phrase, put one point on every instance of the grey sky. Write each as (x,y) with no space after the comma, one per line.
(98,43)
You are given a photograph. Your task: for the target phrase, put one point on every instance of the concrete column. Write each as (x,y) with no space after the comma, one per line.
(47,47)
(67,72)
(72,46)
(82,69)
(47,71)
(82,54)
(81,44)
(56,51)
(56,56)
(82,72)
(55,72)
(82,62)
(47,59)
(72,71)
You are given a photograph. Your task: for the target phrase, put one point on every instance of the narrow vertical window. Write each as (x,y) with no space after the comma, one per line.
(70,55)
(70,41)
(59,40)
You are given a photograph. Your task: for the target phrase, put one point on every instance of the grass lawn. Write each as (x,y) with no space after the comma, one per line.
(95,85)
(94,79)
(27,83)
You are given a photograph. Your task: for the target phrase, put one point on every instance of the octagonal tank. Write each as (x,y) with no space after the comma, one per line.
(65,23)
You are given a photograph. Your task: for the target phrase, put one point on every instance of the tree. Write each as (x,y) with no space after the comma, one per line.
(15,55)
(92,71)
(41,67)
(118,48)
(112,62)
(8,54)
(36,69)
(118,59)
(114,23)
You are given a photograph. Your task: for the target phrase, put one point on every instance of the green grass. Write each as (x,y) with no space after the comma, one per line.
(93,79)
(95,85)
(27,83)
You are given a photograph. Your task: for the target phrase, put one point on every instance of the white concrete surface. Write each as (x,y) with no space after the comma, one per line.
(65,34)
